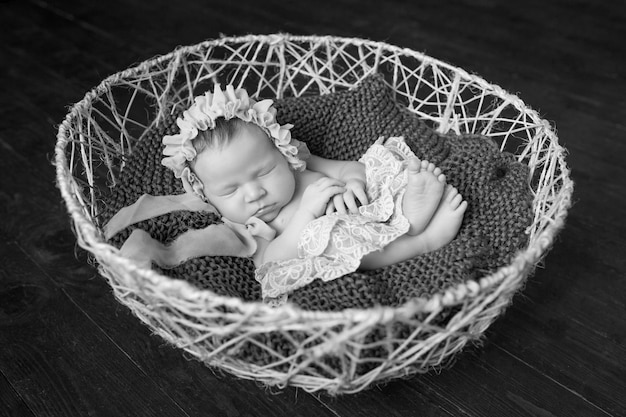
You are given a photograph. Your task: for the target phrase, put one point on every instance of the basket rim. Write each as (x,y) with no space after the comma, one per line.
(91,238)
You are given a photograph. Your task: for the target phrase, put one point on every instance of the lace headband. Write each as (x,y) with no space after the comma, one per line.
(179,150)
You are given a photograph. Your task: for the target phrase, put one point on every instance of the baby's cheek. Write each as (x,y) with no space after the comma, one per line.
(221,207)
(285,185)
(237,212)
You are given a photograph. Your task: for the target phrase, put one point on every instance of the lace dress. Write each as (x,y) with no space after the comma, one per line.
(333,245)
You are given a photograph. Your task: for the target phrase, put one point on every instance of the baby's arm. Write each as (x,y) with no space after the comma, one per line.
(342,170)
(312,205)
(352,173)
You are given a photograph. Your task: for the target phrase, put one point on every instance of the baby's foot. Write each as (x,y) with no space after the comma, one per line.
(426,166)
(424,190)
(447,220)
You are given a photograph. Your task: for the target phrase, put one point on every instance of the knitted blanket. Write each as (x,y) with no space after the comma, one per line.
(343,125)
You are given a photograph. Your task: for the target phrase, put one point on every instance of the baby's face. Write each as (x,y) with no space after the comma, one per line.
(246,177)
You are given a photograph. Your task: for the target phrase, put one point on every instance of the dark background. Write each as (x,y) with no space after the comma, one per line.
(67,348)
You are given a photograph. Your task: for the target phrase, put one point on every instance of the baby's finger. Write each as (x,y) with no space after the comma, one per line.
(348,199)
(361,195)
(330,208)
(339,204)
(327,193)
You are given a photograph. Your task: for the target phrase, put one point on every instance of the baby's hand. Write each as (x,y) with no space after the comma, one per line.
(316,196)
(350,200)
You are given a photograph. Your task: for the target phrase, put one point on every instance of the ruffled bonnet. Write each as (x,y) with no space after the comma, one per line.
(228,104)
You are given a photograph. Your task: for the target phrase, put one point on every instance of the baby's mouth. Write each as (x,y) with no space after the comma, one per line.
(264,210)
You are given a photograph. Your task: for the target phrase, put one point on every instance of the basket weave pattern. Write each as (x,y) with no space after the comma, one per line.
(337,351)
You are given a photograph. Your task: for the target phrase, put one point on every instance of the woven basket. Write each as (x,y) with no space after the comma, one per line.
(329,351)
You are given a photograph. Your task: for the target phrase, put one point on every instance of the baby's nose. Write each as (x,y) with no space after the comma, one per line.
(254,192)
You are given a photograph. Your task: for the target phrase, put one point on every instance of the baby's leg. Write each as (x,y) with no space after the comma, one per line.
(424,190)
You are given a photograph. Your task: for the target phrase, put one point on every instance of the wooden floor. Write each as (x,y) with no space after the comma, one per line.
(68,349)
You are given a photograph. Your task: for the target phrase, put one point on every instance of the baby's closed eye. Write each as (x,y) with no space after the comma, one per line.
(266,171)
(227,192)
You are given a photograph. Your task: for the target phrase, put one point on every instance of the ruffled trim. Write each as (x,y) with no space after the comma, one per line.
(201,116)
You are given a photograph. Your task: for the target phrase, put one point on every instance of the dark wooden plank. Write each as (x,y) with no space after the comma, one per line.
(57,360)
(484,382)
(560,327)
(58,36)
(11,404)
